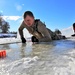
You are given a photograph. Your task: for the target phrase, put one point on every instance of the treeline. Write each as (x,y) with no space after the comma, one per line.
(4,25)
(13,32)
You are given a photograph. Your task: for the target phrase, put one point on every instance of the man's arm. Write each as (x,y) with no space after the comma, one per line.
(43,30)
(21,32)
(21,29)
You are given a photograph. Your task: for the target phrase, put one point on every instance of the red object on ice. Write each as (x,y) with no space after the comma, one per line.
(2,53)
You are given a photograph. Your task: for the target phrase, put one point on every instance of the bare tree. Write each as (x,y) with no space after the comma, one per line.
(0,20)
(4,26)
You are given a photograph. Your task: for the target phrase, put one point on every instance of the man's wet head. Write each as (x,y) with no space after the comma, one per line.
(28,18)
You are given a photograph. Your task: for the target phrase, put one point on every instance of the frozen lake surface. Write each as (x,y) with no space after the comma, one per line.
(55,58)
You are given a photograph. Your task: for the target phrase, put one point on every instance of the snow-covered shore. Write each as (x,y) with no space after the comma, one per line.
(17,40)
(9,40)
(71,38)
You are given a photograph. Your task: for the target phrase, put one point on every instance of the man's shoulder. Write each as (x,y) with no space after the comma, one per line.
(40,23)
(37,20)
(23,24)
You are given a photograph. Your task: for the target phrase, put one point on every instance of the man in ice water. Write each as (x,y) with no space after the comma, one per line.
(35,27)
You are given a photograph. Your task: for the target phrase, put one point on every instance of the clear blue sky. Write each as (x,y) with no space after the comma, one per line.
(55,13)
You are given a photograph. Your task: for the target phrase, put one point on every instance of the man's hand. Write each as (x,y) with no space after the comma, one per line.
(34,39)
(23,40)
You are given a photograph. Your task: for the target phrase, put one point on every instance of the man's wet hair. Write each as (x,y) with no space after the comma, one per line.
(29,13)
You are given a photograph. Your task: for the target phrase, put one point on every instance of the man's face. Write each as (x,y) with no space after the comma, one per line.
(29,20)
